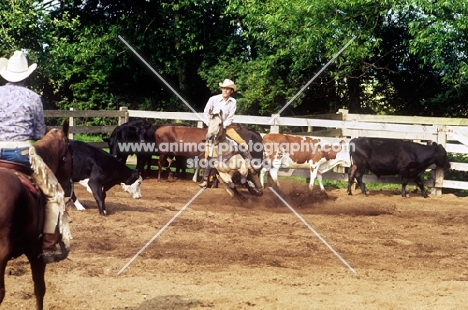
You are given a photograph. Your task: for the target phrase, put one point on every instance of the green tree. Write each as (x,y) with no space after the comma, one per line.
(174,37)
(400,62)
(409,57)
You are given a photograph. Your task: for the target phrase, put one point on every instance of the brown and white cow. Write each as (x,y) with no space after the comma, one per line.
(296,152)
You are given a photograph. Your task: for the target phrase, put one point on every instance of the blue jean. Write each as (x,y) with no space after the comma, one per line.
(19,155)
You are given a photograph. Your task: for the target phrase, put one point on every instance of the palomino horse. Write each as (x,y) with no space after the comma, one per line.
(228,161)
(22,213)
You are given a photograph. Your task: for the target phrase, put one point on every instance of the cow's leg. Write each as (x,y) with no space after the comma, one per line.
(195,174)
(76,202)
(170,175)
(404,182)
(84,183)
(78,205)
(142,161)
(263,171)
(99,195)
(361,183)
(140,166)
(313,176)
(319,179)
(147,163)
(420,184)
(160,164)
(356,173)
(351,176)
(274,175)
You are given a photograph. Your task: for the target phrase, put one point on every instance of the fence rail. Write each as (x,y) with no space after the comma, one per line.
(452,133)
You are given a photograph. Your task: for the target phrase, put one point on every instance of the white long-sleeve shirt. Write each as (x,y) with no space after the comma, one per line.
(217,103)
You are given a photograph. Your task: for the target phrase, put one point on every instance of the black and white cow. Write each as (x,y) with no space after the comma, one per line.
(99,171)
(391,157)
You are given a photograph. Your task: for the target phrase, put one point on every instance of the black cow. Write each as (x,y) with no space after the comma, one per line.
(390,157)
(102,171)
(132,131)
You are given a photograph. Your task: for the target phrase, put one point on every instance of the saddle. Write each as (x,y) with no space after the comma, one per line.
(24,175)
(235,127)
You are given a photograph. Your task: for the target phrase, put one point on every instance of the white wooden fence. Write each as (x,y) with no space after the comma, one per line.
(452,133)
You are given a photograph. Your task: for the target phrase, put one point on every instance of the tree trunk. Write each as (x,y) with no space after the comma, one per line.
(354,95)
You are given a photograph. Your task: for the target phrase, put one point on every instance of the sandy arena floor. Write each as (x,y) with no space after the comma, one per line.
(222,254)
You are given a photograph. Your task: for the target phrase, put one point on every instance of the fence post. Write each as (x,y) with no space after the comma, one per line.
(439,172)
(274,128)
(343,113)
(71,121)
(123,119)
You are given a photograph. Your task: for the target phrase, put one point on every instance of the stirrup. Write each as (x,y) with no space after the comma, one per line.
(203,184)
(56,255)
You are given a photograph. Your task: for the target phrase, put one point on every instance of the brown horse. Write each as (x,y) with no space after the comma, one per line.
(22,217)
(180,141)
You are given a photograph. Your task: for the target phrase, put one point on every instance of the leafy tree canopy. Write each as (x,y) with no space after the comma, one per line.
(408,57)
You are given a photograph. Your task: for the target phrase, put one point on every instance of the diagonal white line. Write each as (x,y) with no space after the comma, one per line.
(162,79)
(315,76)
(313,230)
(160,231)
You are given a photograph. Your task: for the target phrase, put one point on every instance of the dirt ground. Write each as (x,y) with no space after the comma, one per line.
(220,253)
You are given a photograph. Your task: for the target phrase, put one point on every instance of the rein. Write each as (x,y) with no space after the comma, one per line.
(220,136)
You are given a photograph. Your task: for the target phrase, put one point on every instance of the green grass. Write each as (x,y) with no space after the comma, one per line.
(88,138)
(344,184)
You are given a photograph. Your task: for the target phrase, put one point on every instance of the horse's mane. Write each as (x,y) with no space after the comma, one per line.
(42,146)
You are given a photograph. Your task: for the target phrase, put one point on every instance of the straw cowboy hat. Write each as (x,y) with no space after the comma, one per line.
(16,68)
(229,84)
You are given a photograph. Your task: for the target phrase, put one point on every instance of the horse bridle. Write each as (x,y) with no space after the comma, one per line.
(221,130)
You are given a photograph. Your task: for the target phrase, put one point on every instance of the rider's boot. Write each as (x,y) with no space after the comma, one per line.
(56,227)
(206,175)
(50,251)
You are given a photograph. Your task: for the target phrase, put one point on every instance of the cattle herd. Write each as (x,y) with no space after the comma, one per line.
(100,171)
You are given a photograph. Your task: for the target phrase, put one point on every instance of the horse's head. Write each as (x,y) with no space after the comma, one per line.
(216,130)
(55,150)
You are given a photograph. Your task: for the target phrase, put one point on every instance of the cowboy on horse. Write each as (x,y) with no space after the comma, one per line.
(228,105)
(21,122)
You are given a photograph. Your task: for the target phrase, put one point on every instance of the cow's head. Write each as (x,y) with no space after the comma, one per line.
(441,158)
(133,185)
(118,135)
(133,131)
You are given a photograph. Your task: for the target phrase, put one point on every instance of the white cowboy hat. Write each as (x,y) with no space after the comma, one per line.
(3,62)
(16,68)
(229,84)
